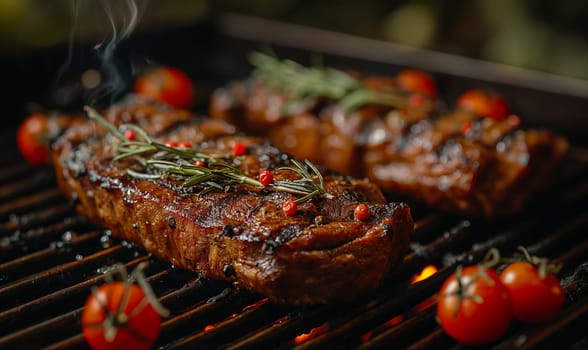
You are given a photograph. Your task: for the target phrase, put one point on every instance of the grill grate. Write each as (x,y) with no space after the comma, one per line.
(50,258)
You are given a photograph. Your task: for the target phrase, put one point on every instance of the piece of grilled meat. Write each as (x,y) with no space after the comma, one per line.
(319,255)
(454,161)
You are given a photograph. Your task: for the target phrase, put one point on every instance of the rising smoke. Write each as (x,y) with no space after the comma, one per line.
(117,64)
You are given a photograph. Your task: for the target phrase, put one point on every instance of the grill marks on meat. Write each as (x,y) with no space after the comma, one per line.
(491,170)
(319,255)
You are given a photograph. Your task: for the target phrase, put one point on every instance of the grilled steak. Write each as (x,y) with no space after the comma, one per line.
(321,254)
(487,170)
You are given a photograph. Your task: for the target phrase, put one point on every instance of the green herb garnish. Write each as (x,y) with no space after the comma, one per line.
(159,161)
(299,82)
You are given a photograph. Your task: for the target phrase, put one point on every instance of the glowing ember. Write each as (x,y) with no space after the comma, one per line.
(214,325)
(427,272)
(394,321)
(313,333)
(425,304)
(389,324)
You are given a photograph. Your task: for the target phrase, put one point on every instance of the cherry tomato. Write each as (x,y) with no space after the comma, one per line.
(166,84)
(534,299)
(417,81)
(477,313)
(32,139)
(483,103)
(113,320)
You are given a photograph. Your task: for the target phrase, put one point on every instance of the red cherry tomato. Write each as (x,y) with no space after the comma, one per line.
(483,103)
(534,299)
(166,84)
(32,139)
(480,312)
(108,325)
(413,80)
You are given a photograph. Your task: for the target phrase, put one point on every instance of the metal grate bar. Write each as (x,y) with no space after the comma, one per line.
(30,202)
(20,243)
(36,218)
(237,323)
(416,324)
(53,255)
(15,170)
(60,276)
(37,181)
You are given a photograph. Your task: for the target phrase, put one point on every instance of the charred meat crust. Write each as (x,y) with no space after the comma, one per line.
(490,171)
(319,255)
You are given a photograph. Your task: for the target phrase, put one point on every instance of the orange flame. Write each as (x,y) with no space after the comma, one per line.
(427,272)
(316,331)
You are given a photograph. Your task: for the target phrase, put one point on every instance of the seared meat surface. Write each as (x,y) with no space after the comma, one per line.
(321,254)
(454,161)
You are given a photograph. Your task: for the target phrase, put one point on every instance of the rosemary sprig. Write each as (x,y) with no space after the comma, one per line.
(159,161)
(299,82)
(306,185)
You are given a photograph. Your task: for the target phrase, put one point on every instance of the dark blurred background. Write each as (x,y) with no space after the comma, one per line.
(549,36)
(41,41)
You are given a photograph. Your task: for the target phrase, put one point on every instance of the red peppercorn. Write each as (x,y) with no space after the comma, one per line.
(266,178)
(184,144)
(483,103)
(201,163)
(416,100)
(417,81)
(239,149)
(171,143)
(466,128)
(130,135)
(362,212)
(513,120)
(290,207)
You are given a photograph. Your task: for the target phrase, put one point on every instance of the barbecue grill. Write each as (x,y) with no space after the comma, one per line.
(50,257)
